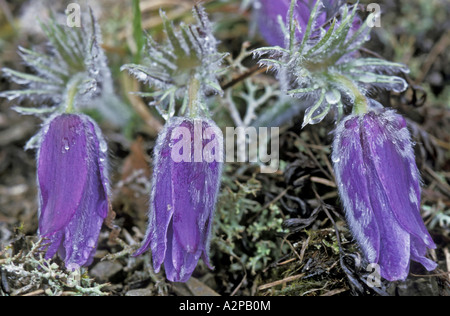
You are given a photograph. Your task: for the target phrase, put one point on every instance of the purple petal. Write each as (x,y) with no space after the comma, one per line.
(100,150)
(74,235)
(397,170)
(376,173)
(54,244)
(270,11)
(161,208)
(184,194)
(62,172)
(81,234)
(394,253)
(195,186)
(179,264)
(351,175)
(268,20)
(418,252)
(189,188)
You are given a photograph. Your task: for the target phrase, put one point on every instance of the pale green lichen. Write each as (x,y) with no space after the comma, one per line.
(240,217)
(29,273)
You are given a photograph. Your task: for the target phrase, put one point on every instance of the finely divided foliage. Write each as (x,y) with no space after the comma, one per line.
(318,61)
(74,72)
(72,158)
(373,158)
(189,53)
(323,67)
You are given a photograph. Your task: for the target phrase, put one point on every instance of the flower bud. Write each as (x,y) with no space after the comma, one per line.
(187,170)
(379,185)
(73,187)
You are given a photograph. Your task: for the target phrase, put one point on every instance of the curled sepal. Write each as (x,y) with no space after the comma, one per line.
(187,171)
(379,185)
(73,187)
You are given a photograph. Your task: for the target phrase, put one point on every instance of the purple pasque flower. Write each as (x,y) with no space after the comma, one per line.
(188,161)
(270,10)
(73,187)
(379,185)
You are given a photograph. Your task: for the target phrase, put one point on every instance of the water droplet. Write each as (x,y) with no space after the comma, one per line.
(398,84)
(12,96)
(65,146)
(374,105)
(141,76)
(317,119)
(336,158)
(333,96)
(91,243)
(86,254)
(73,142)
(103,146)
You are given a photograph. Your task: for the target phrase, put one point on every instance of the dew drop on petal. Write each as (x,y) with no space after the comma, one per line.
(65,145)
(86,254)
(103,146)
(91,243)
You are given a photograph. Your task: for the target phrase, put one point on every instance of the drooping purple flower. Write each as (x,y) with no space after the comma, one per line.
(73,187)
(270,10)
(187,170)
(379,185)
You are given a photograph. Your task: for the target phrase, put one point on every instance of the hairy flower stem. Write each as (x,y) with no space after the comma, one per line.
(71,94)
(194,87)
(361,106)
